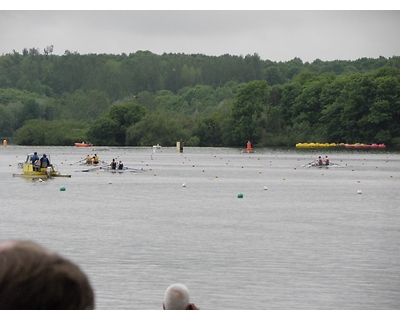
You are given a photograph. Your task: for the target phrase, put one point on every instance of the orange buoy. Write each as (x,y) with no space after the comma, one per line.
(4,143)
(249,146)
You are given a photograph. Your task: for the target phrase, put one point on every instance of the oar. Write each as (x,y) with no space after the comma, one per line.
(77,162)
(309,164)
(134,169)
(334,164)
(90,169)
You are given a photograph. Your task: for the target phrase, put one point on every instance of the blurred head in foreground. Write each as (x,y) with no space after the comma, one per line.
(35,278)
(177,297)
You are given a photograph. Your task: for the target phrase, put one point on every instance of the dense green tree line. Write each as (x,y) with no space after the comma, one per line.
(121,75)
(145,99)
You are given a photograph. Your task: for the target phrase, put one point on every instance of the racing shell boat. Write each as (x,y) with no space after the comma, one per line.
(35,171)
(124,169)
(323,165)
(107,168)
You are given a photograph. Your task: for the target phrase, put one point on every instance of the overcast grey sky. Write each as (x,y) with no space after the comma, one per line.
(277,35)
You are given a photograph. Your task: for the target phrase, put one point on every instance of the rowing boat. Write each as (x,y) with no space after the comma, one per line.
(323,165)
(125,169)
(109,169)
(91,164)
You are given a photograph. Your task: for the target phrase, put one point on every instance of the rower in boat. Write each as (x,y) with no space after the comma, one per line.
(120,165)
(89,159)
(326,161)
(95,159)
(320,162)
(113,164)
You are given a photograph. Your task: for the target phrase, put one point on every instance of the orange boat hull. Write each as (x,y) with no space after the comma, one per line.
(83,145)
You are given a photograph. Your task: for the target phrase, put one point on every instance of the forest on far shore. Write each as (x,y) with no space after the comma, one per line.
(144,99)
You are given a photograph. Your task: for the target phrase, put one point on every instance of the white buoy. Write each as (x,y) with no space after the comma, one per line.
(40,180)
(359,191)
(109,182)
(183,184)
(265,188)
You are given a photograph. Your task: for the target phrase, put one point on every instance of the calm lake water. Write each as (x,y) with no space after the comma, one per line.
(300,238)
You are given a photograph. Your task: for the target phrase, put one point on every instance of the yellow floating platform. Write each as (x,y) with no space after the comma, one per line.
(316,145)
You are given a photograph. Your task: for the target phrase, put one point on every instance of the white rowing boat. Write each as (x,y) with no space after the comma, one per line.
(323,165)
(125,169)
(109,169)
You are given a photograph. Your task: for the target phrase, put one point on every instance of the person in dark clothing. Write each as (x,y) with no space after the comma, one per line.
(120,165)
(113,164)
(34,160)
(44,161)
